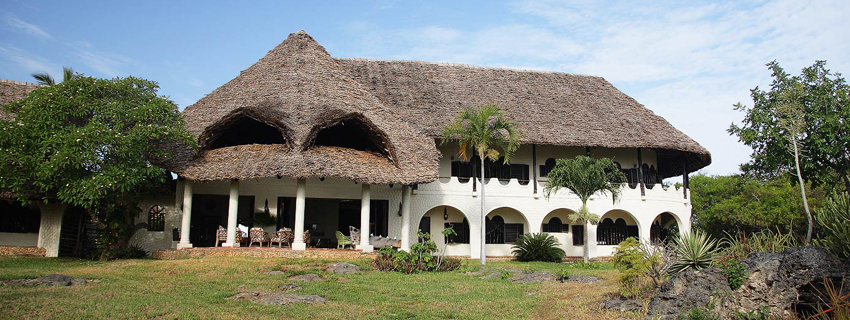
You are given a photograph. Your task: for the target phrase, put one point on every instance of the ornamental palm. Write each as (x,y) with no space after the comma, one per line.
(44,78)
(694,250)
(486,132)
(585,177)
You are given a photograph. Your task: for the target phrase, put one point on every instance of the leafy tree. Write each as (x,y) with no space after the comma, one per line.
(488,133)
(44,78)
(743,204)
(90,143)
(585,177)
(821,126)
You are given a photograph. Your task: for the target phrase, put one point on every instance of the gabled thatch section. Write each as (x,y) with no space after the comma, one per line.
(551,108)
(13,90)
(300,89)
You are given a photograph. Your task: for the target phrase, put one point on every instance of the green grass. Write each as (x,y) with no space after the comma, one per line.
(197,288)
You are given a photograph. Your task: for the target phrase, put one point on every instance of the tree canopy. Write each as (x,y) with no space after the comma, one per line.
(90,143)
(824,126)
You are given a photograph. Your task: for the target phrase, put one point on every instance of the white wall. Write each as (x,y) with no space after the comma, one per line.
(19,239)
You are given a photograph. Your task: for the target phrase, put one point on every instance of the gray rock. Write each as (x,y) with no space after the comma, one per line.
(310,277)
(289,287)
(343,268)
(275,298)
(537,276)
(274,273)
(623,305)
(59,280)
(583,279)
(686,290)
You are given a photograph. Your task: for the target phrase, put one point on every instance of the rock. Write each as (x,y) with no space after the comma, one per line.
(60,280)
(289,287)
(583,279)
(537,276)
(343,268)
(274,298)
(274,273)
(623,305)
(310,277)
(686,290)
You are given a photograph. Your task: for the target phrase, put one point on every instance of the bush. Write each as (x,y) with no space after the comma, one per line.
(699,314)
(834,221)
(694,250)
(562,275)
(129,252)
(538,247)
(735,273)
(632,263)
(420,258)
(741,246)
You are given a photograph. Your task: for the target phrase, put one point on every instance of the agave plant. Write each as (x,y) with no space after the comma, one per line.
(538,247)
(694,250)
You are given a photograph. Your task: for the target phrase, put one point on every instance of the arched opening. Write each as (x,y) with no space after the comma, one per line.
(240,128)
(557,221)
(615,227)
(492,169)
(441,217)
(504,226)
(353,132)
(664,227)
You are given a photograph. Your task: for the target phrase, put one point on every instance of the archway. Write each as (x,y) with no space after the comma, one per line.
(242,127)
(503,226)
(616,226)
(352,131)
(437,219)
(664,227)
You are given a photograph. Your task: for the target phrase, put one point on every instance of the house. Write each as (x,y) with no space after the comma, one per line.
(324,144)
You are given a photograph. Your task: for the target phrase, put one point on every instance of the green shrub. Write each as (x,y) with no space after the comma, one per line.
(694,250)
(420,258)
(129,252)
(505,274)
(632,263)
(735,273)
(562,275)
(699,314)
(834,222)
(538,247)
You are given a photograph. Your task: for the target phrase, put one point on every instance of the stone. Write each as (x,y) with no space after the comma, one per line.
(275,298)
(56,280)
(623,305)
(342,268)
(537,276)
(289,287)
(310,277)
(684,291)
(274,273)
(583,279)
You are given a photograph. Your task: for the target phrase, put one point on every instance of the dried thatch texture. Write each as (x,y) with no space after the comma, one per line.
(13,90)
(299,88)
(551,108)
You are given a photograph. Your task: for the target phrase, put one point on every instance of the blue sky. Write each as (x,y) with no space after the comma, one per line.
(687,61)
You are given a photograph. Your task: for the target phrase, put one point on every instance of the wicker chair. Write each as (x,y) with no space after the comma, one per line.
(258,235)
(307,237)
(355,235)
(342,240)
(221,236)
(281,237)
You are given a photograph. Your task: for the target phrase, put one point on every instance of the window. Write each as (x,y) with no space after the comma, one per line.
(547,166)
(241,129)
(512,232)
(497,169)
(500,232)
(611,232)
(554,225)
(578,235)
(462,230)
(19,219)
(156,218)
(352,132)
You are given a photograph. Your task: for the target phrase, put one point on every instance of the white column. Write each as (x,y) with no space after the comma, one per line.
(298,230)
(591,241)
(365,199)
(644,228)
(232,213)
(187,216)
(405,218)
(50,228)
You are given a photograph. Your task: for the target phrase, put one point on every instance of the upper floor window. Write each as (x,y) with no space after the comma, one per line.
(547,166)
(492,169)
(241,129)
(352,132)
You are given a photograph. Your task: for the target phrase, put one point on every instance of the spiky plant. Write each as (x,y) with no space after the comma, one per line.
(538,247)
(585,177)
(487,132)
(694,250)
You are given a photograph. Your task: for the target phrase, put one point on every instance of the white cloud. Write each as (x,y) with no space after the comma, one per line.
(31,62)
(14,23)
(107,64)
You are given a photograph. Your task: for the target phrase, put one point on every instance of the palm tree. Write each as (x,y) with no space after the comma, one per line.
(44,78)
(484,131)
(585,177)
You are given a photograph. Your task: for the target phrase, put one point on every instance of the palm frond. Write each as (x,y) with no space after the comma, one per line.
(67,73)
(485,130)
(43,78)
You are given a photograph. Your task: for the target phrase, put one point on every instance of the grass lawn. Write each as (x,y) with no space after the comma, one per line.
(197,288)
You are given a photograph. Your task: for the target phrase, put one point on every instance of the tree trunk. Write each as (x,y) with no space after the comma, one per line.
(802,191)
(483,217)
(586,250)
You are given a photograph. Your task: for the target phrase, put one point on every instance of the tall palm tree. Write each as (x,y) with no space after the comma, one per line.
(585,177)
(44,78)
(488,133)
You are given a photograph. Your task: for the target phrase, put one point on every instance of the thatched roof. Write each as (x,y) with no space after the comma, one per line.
(13,90)
(550,108)
(299,89)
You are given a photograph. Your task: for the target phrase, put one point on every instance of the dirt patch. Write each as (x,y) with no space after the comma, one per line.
(274,298)
(53,280)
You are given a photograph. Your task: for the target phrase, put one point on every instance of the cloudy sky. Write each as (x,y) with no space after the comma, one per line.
(687,61)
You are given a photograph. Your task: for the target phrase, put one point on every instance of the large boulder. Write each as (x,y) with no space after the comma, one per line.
(684,291)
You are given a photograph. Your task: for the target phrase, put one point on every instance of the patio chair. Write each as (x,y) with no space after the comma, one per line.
(355,235)
(307,237)
(259,235)
(342,240)
(281,237)
(221,236)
